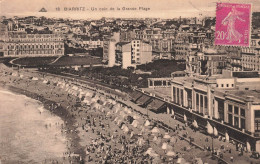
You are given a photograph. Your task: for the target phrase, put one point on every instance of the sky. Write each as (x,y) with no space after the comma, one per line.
(157,8)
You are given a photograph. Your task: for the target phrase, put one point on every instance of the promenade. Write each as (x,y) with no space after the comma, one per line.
(201,139)
(101,129)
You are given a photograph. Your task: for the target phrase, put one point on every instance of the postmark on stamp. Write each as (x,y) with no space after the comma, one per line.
(233,24)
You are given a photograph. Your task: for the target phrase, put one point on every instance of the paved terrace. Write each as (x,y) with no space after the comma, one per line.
(159,92)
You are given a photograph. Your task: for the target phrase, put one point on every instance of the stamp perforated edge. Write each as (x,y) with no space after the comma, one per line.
(250,26)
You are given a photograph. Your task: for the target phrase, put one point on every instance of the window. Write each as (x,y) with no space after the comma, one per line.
(217,85)
(222,85)
(242,112)
(181,99)
(201,101)
(197,100)
(232,85)
(227,85)
(178,96)
(206,102)
(230,108)
(174,94)
(257,121)
(236,122)
(230,119)
(236,110)
(243,123)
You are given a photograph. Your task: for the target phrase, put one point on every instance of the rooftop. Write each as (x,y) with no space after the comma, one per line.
(253,95)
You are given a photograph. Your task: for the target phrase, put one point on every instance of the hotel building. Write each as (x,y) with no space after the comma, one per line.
(23,44)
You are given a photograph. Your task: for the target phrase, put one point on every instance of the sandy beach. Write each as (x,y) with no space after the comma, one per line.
(100,129)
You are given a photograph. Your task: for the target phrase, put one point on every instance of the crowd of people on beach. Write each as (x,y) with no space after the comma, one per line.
(117,133)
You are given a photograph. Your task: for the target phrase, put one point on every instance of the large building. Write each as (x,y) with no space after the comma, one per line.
(23,44)
(210,62)
(251,55)
(134,53)
(228,104)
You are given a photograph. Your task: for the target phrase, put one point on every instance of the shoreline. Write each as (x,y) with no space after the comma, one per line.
(59,111)
(64,94)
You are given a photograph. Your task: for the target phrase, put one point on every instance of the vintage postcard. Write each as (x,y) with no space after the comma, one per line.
(130,81)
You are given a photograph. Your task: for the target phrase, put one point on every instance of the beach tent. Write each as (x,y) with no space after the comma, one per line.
(142,129)
(166,136)
(209,128)
(116,119)
(171,154)
(116,107)
(164,146)
(125,129)
(227,136)
(129,111)
(155,138)
(14,74)
(35,78)
(151,152)
(81,94)
(155,130)
(195,124)
(114,102)
(215,131)
(198,161)
(125,109)
(122,114)
(172,112)
(87,100)
(123,126)
(95,105)
(158,141)
(108,113)
(173,140)
(135,123)
(119,122)
(132,134)
(140,141)
(75,87)
(181,161)
(147,123)
(45,82)
(136,117)
(88,94)
(185,118)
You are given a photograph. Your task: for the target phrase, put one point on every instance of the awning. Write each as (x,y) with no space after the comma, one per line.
(135,95)
(143,100)
(155,104)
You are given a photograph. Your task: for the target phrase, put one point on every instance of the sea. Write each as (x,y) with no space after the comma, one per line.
(28,132)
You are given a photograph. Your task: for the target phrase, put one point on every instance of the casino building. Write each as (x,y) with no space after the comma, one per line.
(227,104)
(31,45)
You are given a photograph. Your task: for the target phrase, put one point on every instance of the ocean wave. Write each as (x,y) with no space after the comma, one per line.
(7,92)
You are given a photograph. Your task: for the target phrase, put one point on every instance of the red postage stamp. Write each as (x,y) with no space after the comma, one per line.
(233,24)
